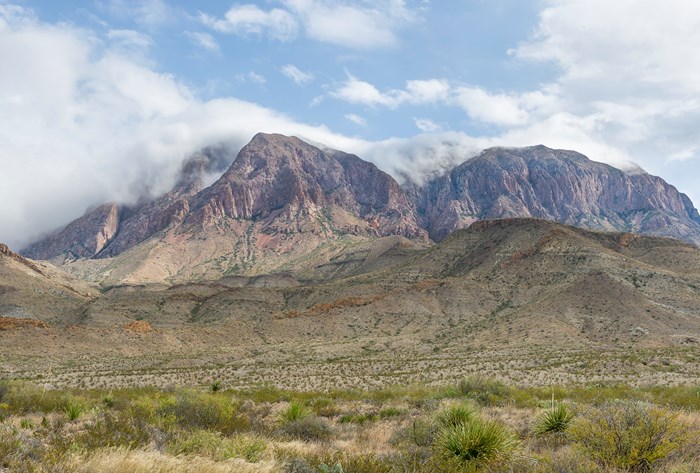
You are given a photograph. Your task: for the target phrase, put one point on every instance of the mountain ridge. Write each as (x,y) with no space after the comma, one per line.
(283,200)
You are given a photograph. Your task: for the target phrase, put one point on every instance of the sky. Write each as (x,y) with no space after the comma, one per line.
(103,100)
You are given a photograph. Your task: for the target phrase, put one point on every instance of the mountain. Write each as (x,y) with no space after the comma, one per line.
(35,294)
(112,228)
(286,205)
(500,284)
(558,185)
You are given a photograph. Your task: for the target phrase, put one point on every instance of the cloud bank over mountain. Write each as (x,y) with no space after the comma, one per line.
(86,114)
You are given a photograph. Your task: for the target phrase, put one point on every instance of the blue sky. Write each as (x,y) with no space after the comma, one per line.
(102,100)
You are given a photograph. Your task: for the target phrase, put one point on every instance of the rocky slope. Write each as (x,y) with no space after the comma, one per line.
(112,228)
(500,283)
(33,293)
(557,185)
(285,205)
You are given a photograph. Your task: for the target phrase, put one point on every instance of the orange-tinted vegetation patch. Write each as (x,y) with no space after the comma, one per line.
(11,323)
(139,326)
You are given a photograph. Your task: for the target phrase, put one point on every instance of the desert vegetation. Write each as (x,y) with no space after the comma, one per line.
(474,424)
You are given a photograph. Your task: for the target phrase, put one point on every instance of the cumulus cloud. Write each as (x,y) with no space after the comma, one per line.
(624,87)
(83,121)
(357,91)
(296,74)
(82,124)
(358,26)
(204,41)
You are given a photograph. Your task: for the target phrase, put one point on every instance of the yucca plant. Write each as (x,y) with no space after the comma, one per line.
(554,420)
(294,412)
(456,415)
(73,411)
(477,442)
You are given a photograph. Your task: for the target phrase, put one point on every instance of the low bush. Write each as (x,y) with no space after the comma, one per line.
(73,410)
(213,445)
(554,420)
(198,410)
(356,418)
(308,429)
(486,392)
(477,443)
(108,430)
(390,411)
(294,412)
(456,415)
(632,436)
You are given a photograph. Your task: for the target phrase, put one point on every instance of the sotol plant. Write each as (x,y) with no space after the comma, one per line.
(554,420)
(477,442)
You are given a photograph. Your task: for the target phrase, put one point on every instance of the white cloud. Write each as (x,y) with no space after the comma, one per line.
(357,91)
(296,74)
(250,19)
(83,122)
(629,79)
(499,109)
(204,41)
(130,39)
(628,43)
(257,78)
(356,25)
(425,125)
(356,119)
(149,13)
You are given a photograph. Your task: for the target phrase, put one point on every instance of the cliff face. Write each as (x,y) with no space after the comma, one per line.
(285,179)
(283,198)
(82,238)
(557,185)
(111,228)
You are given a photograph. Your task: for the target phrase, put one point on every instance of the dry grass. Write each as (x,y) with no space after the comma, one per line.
(149,461)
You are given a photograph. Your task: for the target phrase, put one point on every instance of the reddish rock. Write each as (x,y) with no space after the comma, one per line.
(558,185)
(289,188)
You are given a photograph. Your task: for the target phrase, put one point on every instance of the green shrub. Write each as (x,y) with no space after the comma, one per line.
(337,468)
(420,433)
(9,446)
(477,442)
(308,429)
(198,410)
(391,411)
(215,386)
(456,415)
(554,420)
(23,398)
(358,418)
(325,407)
(485,391)
(217,447)
(108,400)
(73,410)
(109,430)
(294,412)
(632,436)
(26,423)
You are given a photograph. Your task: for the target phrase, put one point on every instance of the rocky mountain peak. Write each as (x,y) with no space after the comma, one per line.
(282,198)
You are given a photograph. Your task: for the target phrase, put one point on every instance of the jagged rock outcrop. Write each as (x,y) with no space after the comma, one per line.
(557,185)
(111,228)
(279,180)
